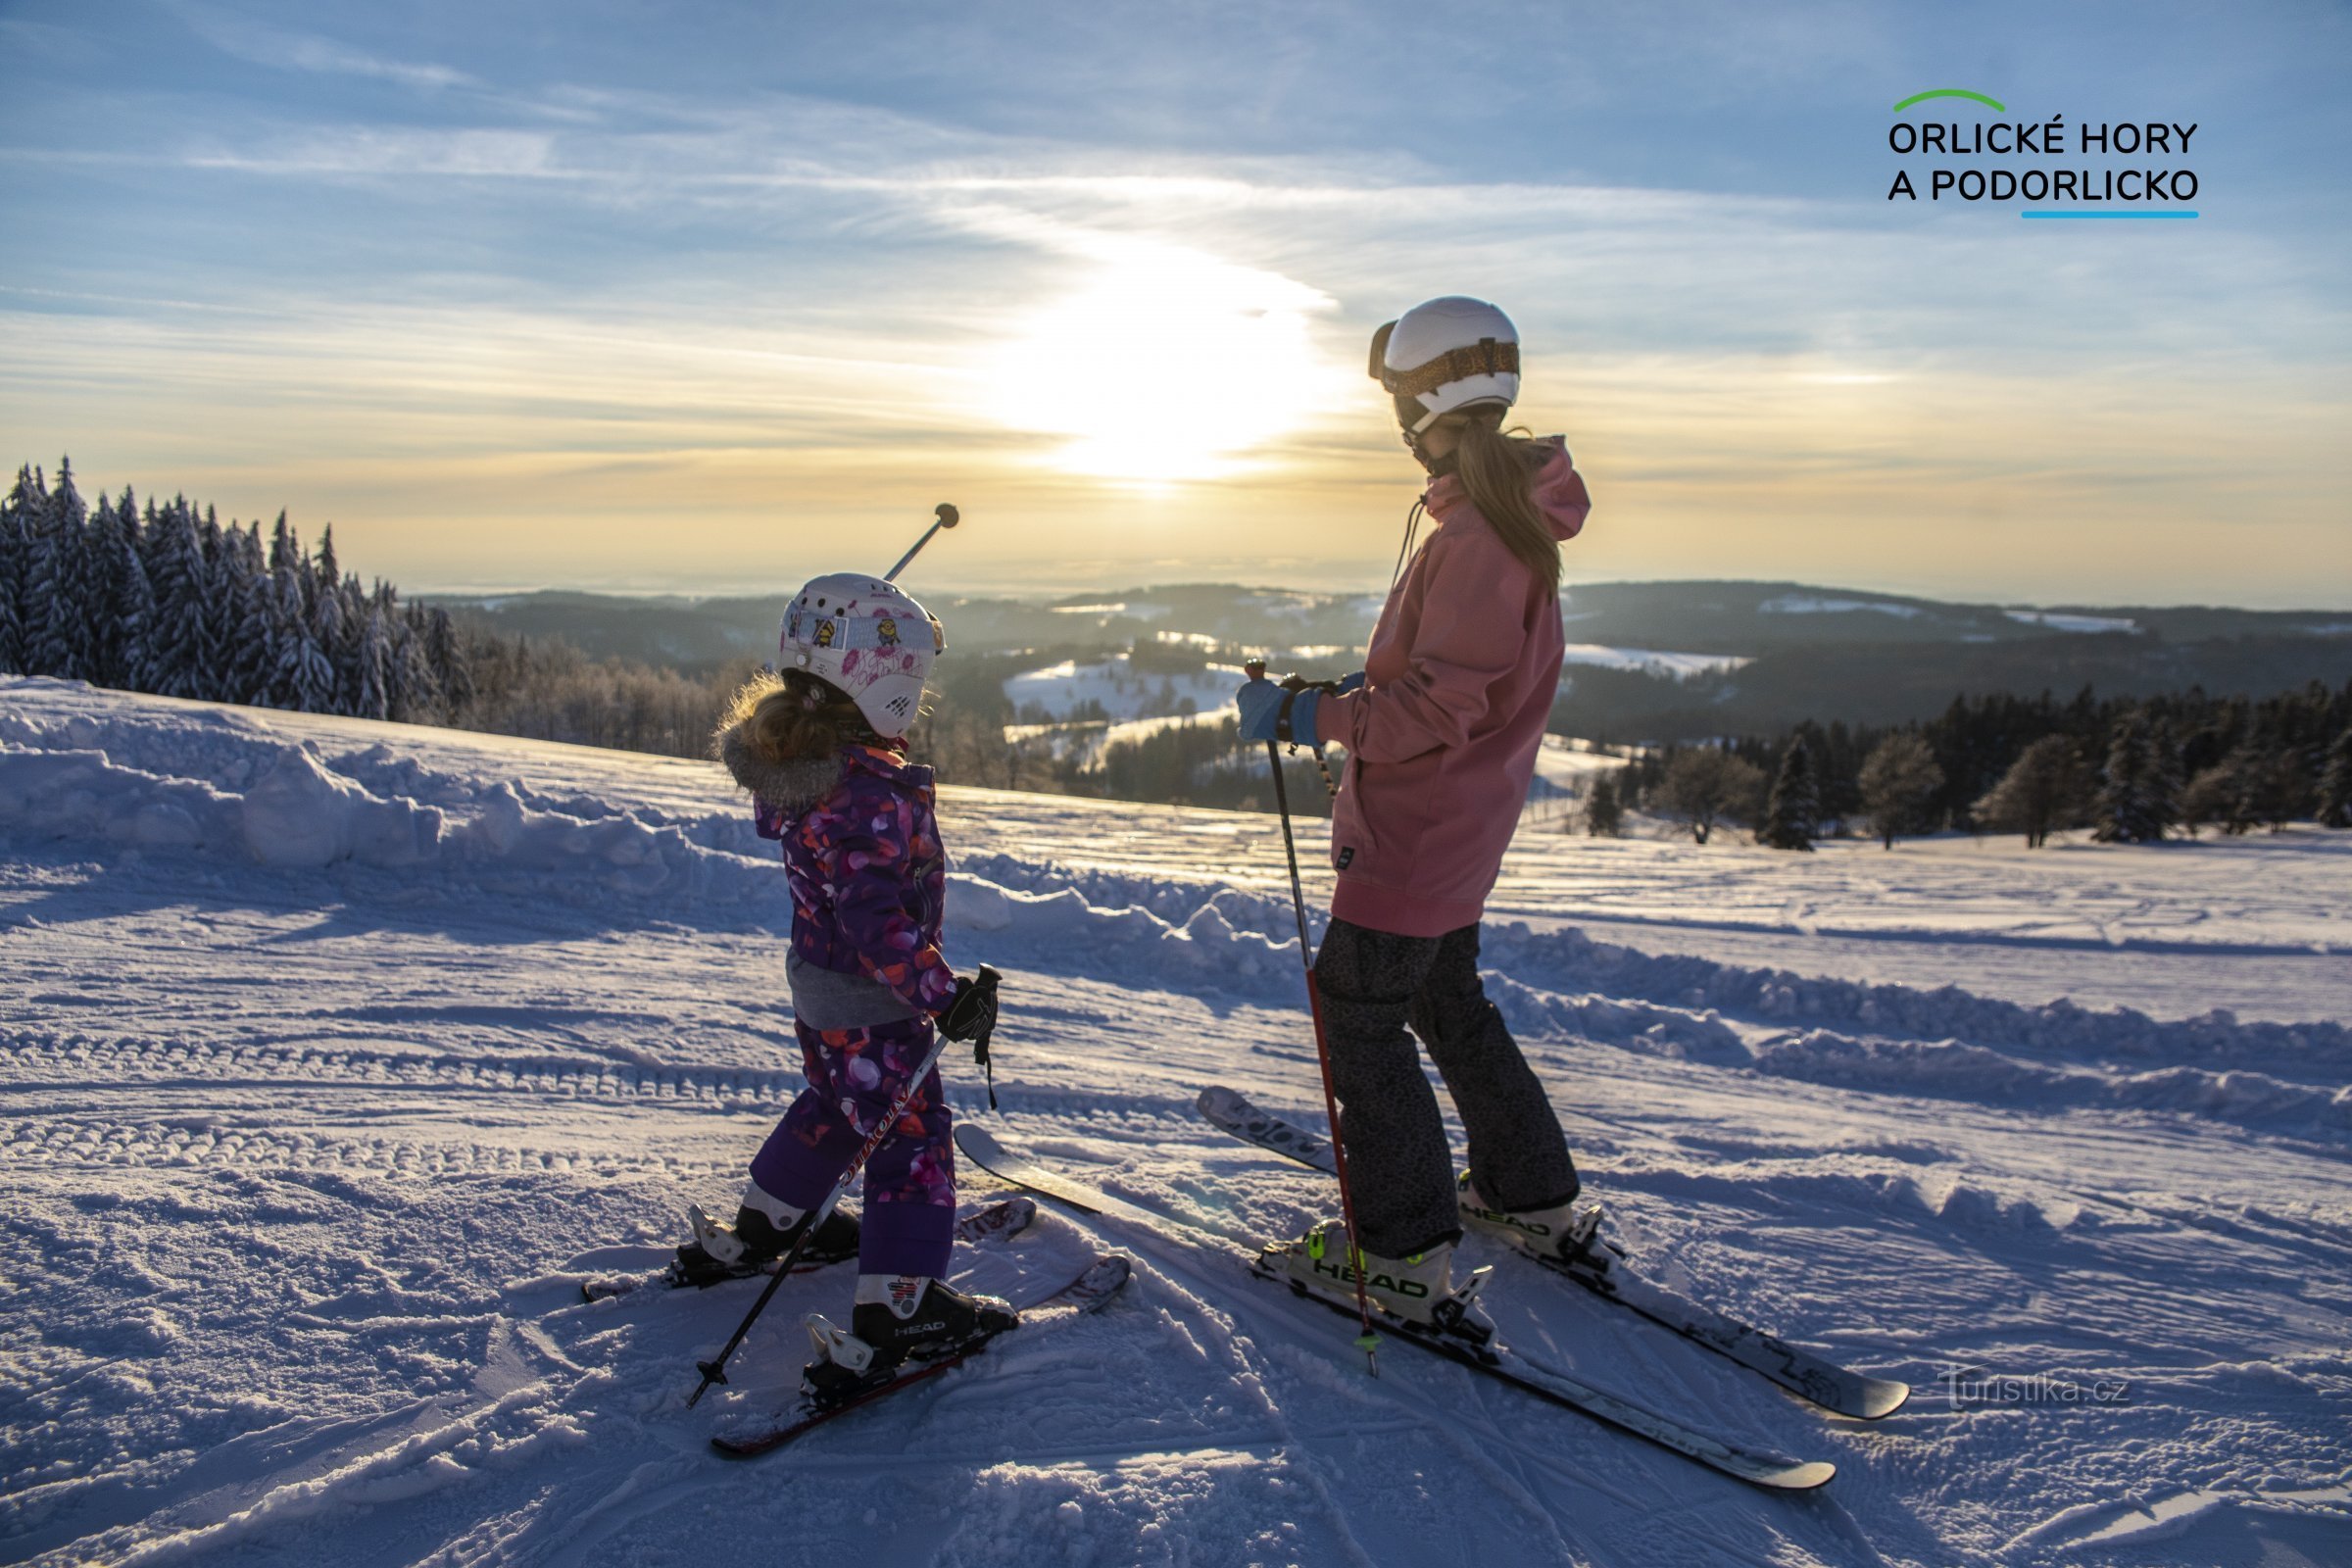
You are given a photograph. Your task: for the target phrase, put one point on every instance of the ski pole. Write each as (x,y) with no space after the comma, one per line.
(714,1370)
(948,517)
(1369,1342)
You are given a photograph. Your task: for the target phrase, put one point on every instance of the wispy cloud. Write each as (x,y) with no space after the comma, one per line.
(464,314)
(263,45)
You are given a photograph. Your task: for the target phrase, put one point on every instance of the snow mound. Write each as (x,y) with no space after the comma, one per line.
(231,787)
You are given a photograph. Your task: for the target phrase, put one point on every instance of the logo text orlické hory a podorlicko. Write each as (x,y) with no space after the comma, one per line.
(2150,183)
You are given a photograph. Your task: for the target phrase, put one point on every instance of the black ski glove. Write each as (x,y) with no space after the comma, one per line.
(972,1013)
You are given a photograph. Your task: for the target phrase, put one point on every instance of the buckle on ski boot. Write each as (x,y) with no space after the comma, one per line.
(1459,1316)
(845,1365)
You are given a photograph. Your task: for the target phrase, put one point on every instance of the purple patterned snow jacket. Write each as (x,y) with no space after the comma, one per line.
(868,875)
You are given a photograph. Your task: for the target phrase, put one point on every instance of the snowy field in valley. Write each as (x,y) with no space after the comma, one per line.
(334,1057)
(1119,689)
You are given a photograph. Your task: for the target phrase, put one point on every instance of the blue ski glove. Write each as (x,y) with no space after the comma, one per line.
(1350,683)
(1265,708)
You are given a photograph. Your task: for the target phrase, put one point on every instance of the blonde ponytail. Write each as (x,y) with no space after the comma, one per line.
(1498,471)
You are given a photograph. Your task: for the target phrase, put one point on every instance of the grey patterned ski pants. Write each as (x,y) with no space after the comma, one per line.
(1373,984)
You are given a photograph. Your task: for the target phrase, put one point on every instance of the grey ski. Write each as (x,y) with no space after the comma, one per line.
(1774,1472)
(1088,1291)
(1801,1372)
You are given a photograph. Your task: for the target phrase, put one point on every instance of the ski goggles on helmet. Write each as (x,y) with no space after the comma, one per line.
(1486,357)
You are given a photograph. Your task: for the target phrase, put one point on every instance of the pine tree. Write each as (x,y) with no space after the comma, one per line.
(52,633)
(415,699)
(1794,812)
(329,634)
(303,680)
(2127,809)
(177,577)
(27,539)
(374,659)
(450,662)
(253,651)
(217,608)
(69,641)
(14,550)
(2335,783)
(1604,814)
(2166,776)
(132,606)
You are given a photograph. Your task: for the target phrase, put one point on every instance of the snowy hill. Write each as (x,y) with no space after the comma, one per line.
(333,1055)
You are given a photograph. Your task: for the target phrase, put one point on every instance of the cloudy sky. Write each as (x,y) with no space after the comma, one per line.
(707,297)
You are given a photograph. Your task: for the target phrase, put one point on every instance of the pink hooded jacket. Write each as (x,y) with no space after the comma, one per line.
(1458,682)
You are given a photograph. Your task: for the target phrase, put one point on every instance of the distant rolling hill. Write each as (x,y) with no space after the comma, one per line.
(1809,651)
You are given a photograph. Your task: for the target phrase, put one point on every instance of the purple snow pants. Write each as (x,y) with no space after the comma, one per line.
(909,1226)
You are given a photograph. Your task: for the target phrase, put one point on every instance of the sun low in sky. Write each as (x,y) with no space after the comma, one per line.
(581,295)
(1164,365)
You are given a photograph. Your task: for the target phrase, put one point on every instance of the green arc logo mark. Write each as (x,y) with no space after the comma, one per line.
(1952,92)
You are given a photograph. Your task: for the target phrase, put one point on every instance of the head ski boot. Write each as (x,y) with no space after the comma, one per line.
(765,1230)
(1557,1232)
(897,1318)
(1416,1292)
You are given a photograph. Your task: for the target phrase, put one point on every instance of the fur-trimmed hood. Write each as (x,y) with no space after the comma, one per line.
(789,787)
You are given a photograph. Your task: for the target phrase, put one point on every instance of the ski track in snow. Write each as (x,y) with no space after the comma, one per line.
(335,1056)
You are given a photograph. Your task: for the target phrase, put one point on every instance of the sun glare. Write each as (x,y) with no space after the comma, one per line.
(1169,365)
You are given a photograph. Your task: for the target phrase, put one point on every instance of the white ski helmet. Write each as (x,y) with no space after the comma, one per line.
(870,638)
(1447,354)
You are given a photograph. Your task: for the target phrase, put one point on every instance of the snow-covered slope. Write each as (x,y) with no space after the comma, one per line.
(332,1055)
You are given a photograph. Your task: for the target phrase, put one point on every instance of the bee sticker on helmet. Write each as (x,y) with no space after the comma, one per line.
(824,633)
(888,631)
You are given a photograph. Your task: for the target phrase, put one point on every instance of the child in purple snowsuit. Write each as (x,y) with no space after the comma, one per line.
(821,749)
(868,879)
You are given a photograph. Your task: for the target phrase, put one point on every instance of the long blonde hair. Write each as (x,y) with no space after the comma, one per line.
(794,716)
(1497,468)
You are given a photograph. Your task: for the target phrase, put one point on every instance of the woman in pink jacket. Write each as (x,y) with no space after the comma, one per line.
(1441,731)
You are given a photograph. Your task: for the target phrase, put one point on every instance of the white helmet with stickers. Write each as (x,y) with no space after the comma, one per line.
(870,638)
(1445,355)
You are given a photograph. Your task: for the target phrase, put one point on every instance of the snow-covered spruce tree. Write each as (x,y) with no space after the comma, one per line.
(132,604)
(26,537)
(253,650)
(95,584)
(1794,812)
(1604,813)
(2043,789)
(50,614)
(217,625)
(332,632)
(451,661)
(373,697)
(2127,809)
(302,681)
(67,644)
(1899,778)
(2335,806)
(13,550)
(416,695)
(175,572)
